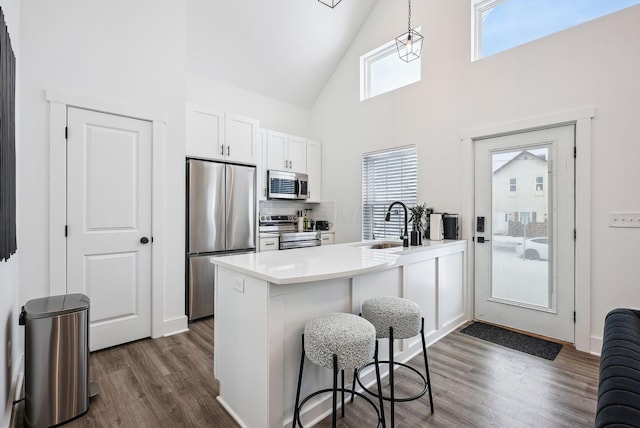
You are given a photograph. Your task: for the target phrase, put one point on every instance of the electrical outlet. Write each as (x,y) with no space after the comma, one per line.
(239,286)
(624,219)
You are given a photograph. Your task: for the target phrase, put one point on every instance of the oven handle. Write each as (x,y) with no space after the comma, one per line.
(299,244)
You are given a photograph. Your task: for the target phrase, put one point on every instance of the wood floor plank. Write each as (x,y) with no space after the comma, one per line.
(169,382)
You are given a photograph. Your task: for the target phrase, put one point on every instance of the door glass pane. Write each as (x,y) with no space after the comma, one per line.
(521,230)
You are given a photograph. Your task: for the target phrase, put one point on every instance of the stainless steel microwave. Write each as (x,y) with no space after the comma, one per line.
(287,185)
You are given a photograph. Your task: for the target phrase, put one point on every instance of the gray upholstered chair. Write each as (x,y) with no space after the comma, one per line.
(396,318)
(337,341)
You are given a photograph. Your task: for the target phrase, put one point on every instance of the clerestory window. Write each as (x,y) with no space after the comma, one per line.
(499,25)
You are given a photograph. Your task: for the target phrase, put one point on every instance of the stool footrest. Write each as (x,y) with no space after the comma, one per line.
(330,390)
(403,399)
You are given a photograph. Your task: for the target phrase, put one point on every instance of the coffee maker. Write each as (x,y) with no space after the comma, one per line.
(450,225)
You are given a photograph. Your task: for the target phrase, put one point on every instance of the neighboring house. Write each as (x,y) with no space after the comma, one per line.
(520,195)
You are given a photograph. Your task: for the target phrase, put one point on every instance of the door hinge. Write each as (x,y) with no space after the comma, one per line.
(66,230)
(152,239)
(66,132)
(575,152)
(575,234)
(574,316)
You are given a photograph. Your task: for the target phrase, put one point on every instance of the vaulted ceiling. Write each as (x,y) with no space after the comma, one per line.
(284,49)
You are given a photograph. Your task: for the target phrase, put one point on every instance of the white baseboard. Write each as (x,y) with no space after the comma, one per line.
(175,326)
(15,393)
(596,345)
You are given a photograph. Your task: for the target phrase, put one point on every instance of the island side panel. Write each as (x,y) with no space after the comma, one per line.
(241,346)
(420,286)
(451,290)
(290,308)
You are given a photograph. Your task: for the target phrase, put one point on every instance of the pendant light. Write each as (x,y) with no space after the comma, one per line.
(410,43)
(330,3)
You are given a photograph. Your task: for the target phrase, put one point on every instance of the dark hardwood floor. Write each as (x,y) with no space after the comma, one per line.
(168,382)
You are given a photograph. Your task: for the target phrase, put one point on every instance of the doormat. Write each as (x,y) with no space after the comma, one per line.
(518,341)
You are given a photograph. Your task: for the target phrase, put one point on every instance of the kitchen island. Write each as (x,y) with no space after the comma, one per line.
(263,300)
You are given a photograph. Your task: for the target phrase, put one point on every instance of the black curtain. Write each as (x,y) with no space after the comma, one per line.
(8,244)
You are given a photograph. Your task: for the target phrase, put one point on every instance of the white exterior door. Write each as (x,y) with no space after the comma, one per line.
(109,223)
(524,237)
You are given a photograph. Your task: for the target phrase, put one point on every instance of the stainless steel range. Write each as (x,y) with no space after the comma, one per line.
(286,227)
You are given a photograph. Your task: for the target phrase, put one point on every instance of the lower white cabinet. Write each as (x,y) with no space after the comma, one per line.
(326,238)
(269,244)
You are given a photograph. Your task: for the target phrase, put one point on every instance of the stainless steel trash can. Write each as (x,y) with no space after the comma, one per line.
(56,359)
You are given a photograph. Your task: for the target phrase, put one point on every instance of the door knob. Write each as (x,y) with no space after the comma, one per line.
(144,240)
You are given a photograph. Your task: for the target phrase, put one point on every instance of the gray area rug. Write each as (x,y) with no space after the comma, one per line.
(518,341)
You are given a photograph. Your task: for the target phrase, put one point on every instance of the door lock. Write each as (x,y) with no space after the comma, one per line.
(144,240)
(481,240)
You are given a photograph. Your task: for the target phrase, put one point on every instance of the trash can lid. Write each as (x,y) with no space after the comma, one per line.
(47,307)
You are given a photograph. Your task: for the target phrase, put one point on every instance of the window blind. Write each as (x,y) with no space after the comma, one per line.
(388,176)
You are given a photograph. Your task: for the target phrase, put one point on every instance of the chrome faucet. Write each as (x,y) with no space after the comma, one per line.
(405,236)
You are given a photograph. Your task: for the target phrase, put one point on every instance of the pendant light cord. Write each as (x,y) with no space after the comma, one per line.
(409,23)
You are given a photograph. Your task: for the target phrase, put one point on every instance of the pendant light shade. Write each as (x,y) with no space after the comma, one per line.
(409,44)
(330,3)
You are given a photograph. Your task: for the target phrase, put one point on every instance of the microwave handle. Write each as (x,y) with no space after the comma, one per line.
(298,187)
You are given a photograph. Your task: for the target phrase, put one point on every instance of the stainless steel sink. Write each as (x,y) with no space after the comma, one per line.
(384,245)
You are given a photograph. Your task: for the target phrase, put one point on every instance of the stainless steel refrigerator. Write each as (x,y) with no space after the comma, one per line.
(221,219)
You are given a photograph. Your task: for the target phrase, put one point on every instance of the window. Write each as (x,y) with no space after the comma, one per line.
(539,184)
(382,70)
(512,185)
(388,176)
(503,24)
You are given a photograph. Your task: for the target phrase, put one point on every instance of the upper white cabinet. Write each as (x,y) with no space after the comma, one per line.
(241,138)
(314,170)
(286,152)
(262,165)
(216,135)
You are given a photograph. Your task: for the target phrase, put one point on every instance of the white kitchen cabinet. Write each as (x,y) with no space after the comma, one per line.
(269,243)
(213,134)
(286,152)
(261,170)
(326,238)
(241,138)
(205,132)
(314,170)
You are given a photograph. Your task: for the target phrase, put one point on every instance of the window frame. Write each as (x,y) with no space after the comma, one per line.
(409,195)
(540,183)
(371,57)
(513,184)
(478,7)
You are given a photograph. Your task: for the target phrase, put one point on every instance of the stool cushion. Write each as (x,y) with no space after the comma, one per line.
(349,336)
(402,314)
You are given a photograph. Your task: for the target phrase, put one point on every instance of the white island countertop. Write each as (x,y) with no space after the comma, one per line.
(320,263)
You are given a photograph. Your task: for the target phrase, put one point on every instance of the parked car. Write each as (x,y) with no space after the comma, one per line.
(534,249)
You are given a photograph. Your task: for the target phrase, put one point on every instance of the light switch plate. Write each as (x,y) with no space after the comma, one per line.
(624,219)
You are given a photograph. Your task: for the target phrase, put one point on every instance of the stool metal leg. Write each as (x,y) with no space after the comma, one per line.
(380,399)
(335,391)
(426,365)
(391,380)
(342,374)
(295,409)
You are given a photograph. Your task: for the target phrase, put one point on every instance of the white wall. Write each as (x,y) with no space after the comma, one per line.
(595,64)
(273,114)
(118,52)
(9,270)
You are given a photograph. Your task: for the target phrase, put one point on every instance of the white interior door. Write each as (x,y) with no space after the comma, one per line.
(109,223)
(524,237)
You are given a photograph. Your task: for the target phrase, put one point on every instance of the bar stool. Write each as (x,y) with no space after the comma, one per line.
(396,318)
(337,341)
